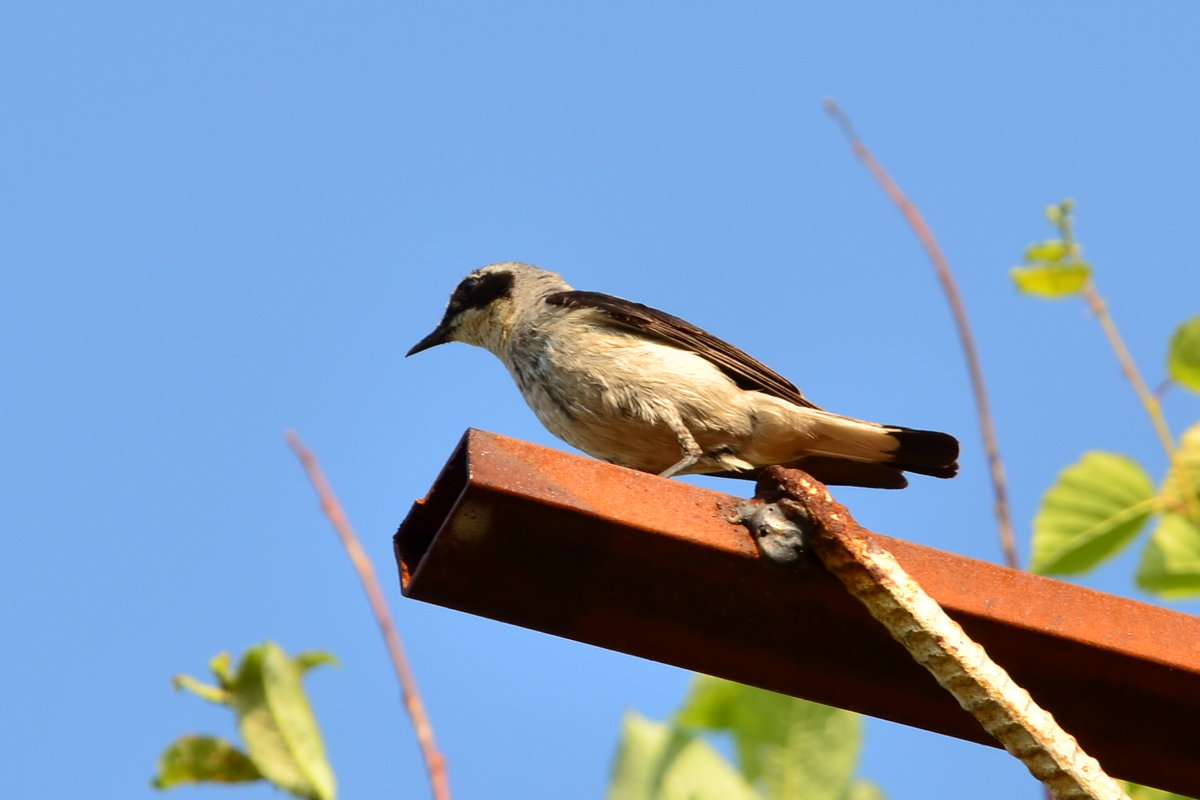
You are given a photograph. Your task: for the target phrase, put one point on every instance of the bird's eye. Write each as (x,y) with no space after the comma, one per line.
(465,289)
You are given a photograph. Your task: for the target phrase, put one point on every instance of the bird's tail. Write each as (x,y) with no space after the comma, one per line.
(924,452)
(847,451)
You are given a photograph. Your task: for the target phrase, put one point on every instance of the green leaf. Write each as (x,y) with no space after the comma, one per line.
(1183,357)
(791,747)
(1181,488)
(656,761)
(1139,792)
(1049,250)
(1052,281)
(1171,561)
(1097,506)
(313,658)
(277,724)
(203,759)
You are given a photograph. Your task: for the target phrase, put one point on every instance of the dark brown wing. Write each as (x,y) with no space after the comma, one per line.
(746,371)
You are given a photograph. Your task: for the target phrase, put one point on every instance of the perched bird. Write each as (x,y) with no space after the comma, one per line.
(638,387)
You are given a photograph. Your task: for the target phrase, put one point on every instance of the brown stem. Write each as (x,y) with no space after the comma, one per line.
(435,763)
(1008,541)
(1128,368)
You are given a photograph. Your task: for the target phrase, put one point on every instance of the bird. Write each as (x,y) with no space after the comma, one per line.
(635,386)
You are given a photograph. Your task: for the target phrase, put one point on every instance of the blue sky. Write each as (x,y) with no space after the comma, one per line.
(220,220)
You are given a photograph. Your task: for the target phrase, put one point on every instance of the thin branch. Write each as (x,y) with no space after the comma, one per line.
(435,763)
(1008,541)
(1098,307)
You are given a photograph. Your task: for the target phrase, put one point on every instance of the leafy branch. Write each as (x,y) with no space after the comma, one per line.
(1101,503)
(274,718)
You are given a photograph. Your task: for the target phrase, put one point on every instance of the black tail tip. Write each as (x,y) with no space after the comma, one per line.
(925,452)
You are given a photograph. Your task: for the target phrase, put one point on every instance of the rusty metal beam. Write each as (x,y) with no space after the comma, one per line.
(631,562)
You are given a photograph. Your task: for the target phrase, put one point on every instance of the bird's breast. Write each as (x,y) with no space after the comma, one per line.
(615,396)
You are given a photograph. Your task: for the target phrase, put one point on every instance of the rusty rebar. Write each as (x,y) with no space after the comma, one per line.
(914,619)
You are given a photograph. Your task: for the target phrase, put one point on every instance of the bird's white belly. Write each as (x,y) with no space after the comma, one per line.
(618,397)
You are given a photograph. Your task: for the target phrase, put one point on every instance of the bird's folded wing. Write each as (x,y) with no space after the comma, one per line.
(746,371)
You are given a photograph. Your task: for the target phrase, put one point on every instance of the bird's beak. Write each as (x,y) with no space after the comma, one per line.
(440,335)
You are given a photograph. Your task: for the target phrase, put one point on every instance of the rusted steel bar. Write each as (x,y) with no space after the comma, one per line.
(655,568)
(791,508)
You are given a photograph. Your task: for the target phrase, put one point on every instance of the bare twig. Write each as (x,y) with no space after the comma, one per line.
(935,641)
(912,215)
(1128,368)
(435,763)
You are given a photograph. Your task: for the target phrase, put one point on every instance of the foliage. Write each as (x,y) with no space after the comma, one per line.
(785,748)
(274,719)
(203,759)
(1103,501)
(660,760)
(1055,268)
(1097,506)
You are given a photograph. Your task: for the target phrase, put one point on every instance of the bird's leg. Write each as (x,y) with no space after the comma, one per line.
(687,443)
